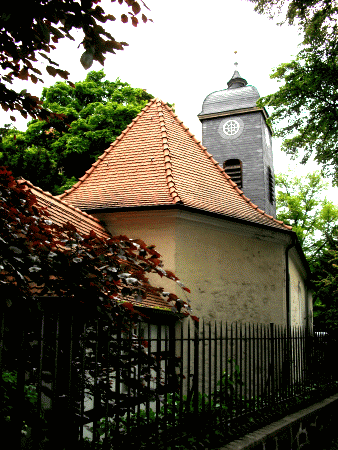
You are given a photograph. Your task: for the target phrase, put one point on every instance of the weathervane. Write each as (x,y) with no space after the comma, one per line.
(236,63)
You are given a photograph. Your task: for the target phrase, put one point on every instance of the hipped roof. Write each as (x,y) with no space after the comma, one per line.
(158,161)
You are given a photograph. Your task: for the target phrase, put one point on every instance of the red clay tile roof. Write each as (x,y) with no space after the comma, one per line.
(61,212)
(158,161)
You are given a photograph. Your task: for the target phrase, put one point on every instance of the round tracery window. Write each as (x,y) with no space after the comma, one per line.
(231,127)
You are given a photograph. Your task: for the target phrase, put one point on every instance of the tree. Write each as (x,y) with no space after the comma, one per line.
(308,102)
(39,259)
(42,24)
(95,112)
(316,19)
(308,97)
(315,221)
(299,204)
(325,276)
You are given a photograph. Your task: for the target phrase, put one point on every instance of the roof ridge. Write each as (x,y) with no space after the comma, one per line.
(227,177)
(166,153)
(108,150)
(68,205)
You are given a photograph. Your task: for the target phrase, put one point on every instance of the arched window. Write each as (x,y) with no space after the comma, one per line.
(271,185)
(233,167)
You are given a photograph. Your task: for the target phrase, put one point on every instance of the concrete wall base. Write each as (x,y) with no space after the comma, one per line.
(305,429)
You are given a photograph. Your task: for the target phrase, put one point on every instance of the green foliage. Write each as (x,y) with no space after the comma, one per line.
(325,274)
(176,414)
(305,106)
(7,394)
(316,19)
(52,155)
(299,203)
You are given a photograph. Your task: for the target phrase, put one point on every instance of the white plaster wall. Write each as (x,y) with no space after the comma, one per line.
(232,276)
(153,228)
(235,272)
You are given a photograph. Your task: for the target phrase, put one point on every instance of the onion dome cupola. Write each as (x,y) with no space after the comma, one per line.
(235,132)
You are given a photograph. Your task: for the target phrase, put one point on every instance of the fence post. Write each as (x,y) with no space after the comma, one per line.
(196,366)
(272,366)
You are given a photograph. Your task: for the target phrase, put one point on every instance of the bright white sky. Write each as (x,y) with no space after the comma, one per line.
(187,53)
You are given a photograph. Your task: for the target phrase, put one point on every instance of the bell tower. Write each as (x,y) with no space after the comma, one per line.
(235,132)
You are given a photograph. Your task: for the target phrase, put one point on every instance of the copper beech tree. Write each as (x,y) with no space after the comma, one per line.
(39,258)
(97,277)
(30,33)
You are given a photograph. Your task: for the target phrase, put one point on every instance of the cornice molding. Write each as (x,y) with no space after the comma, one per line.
(233,112)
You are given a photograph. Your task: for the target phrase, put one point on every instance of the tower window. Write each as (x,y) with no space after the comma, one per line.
(231,127)
(233,167)
(271,186)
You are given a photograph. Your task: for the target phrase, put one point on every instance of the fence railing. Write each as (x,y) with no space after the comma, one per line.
(72,379)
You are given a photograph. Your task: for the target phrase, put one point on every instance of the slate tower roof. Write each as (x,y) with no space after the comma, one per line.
(157,161)
(239,95)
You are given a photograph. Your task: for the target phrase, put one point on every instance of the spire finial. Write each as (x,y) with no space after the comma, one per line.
(236,63)
(236,80)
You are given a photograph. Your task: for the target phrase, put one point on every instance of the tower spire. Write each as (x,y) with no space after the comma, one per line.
(236,80)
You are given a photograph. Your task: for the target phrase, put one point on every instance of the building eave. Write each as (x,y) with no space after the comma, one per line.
(182,207)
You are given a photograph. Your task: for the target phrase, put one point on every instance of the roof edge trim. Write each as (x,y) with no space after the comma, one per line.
(166,152)
(181,206)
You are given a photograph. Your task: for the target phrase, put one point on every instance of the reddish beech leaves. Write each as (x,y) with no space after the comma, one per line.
(38,257)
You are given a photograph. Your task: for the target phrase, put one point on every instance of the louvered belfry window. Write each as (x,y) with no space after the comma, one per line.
(233,167)
(271,186)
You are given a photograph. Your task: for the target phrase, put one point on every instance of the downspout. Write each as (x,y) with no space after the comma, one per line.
(287,281)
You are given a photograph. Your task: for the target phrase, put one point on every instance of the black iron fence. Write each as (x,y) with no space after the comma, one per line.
(72,379)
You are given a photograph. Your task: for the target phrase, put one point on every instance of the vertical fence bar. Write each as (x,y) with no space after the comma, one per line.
(82,377)
(37,429)
(215,362)
(272,370)
(210,362)
(181,374)
(189,367)
(95,390)
(249,377)
(236,365)
(55,384)
(117,433)
(255,366)
(149,340)
(196,367)
(17,416)
(240,365)
(166,383)
(262,374)
(231,370)
(107,383)
(203,368)
(158,381)
(221,390)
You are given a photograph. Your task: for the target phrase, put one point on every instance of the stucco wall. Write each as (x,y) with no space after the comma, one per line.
(234,272)
(153,228)
(233,276)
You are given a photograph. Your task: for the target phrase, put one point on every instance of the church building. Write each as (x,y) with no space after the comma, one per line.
(208,207)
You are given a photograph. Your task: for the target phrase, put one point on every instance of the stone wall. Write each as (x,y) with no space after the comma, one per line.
(307,429)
